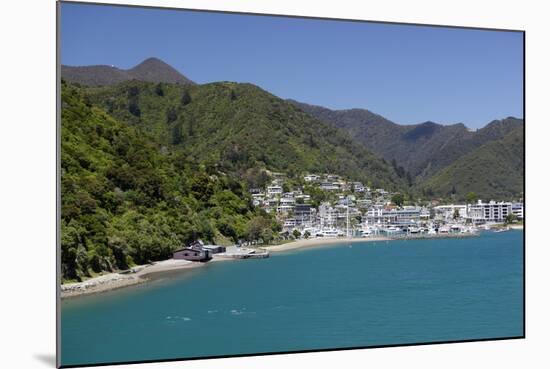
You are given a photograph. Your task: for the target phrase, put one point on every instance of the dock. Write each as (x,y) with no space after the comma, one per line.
(234,252)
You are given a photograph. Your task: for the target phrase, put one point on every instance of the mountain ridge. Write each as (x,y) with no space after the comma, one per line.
(149,70)
(422,149)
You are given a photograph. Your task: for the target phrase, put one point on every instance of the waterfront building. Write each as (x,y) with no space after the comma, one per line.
(194,252)
(489,212)
(405,216)
(447,212)
(517,210)
(289,224)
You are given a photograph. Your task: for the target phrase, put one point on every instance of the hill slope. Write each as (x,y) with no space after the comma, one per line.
(235,127)
(126,201)
(422,149)
(150,70)
(493,171)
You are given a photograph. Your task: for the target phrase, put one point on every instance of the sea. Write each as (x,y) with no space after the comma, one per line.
(328,297)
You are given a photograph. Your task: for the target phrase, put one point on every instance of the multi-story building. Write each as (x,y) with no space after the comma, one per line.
(447,212)
(517,210)
(405,216)
(274,190)
(489,212)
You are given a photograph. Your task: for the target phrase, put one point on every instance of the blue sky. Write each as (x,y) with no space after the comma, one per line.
(408,74)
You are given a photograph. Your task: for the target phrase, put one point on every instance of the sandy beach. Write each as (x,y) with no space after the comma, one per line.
(516,226)
(313,242)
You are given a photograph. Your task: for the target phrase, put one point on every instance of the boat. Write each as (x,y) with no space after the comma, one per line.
(414,230)
(328,233)
(501,230)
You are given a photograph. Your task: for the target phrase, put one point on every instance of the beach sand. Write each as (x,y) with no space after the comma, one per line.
(516,226)
(142,273)
(313,242)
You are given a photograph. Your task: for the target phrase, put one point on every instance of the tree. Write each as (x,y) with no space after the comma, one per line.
(296,233)
(159,90)
(409,179)
(456,214)
(511,218)
(171,115)
(398,199)
(133,108)
(177,136)
(307,235)
(185,98)
(471,197)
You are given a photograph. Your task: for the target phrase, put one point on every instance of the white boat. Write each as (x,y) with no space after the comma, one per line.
(414,230)
(444,229)
(328,233)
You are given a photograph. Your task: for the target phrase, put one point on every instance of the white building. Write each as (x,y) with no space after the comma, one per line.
(517,210)
(311,178)
(447,212)
(274,190)
(358,187)
(329,186)
(489,212)
(405,216)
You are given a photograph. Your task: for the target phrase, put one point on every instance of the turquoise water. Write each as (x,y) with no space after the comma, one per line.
(327,297)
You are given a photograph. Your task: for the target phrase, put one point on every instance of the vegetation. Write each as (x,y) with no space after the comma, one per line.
(236,128)
(421,151)
(398,199)
(493,171)
(127,199)
(511,218)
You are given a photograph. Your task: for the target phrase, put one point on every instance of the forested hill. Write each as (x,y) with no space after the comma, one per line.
(151,70)
(235,127)
(421,149)
(127,199)
(495,170)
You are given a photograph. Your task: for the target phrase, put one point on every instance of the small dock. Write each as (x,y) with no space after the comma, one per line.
(234,252)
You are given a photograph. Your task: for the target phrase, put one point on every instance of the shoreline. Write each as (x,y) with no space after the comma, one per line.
(137,275)
(143,273)
(314,242)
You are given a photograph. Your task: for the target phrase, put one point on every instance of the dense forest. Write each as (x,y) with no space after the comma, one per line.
(236,127)
(129,200)
(429,154)
(495,170)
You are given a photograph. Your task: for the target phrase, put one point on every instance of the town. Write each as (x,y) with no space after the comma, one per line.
(327,205)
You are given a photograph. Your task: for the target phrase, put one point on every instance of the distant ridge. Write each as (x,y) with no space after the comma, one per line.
(422,149)
(149,70)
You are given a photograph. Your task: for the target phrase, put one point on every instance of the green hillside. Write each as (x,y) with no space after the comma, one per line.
(493,171)
(234,127)
(127,199)
(421,149)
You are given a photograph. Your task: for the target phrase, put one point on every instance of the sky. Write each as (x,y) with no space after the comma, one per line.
(408,74)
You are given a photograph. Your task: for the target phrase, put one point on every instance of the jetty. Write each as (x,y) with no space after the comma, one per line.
(234,252)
